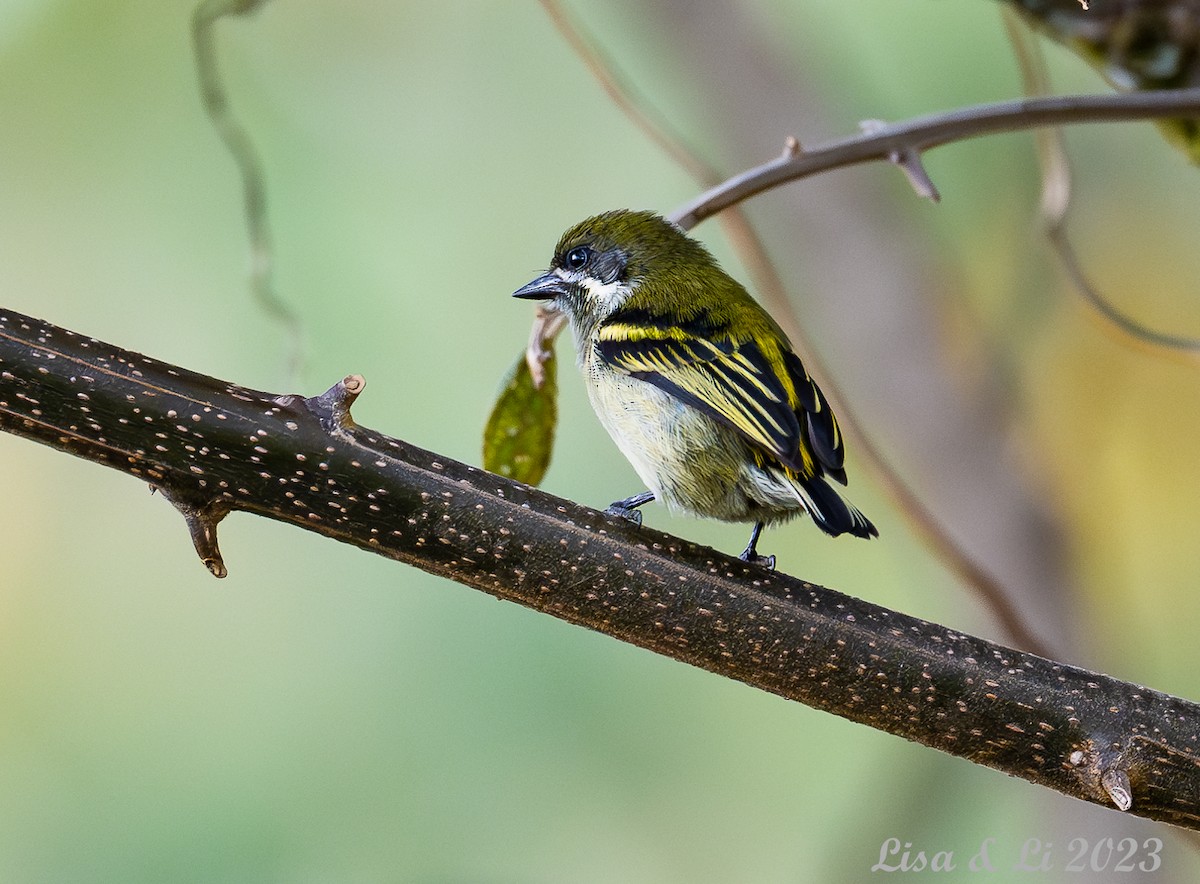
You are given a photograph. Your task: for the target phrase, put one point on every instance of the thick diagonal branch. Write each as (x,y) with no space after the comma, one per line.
(213,447)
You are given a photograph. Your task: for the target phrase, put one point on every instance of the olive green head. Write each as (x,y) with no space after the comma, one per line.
(635,261)
(627,245)
(602,262)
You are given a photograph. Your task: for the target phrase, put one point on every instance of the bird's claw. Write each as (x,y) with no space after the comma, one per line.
(753,558)
(625,512)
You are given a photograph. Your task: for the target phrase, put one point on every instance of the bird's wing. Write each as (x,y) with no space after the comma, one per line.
(821,429)
(778,408)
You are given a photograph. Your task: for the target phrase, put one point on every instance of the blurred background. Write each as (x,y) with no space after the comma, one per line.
(326,715)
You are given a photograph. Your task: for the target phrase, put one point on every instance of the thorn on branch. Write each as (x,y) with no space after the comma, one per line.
(792,147)
(913,168)
(1116,783)
(1112,776)
(203,529)
(910,163)
(333,406)
(202,520)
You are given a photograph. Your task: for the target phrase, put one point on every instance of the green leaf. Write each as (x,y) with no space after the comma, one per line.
(519,437)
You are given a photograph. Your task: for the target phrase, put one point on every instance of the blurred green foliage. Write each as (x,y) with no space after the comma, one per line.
(325,715)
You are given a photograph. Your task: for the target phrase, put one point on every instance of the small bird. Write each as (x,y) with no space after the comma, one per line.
(694,381)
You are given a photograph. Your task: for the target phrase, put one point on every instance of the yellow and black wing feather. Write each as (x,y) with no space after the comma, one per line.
(767,397)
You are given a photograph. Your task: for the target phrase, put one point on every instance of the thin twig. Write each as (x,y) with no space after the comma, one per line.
(1056,204)
(245,157)
(624,94)
(934,130)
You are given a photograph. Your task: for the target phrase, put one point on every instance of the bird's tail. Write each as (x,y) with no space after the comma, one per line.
(830,512)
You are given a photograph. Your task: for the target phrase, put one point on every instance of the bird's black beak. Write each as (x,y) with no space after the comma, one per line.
(546,287)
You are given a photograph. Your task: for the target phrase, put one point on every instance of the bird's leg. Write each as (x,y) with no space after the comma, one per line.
(627,508)
(750,553)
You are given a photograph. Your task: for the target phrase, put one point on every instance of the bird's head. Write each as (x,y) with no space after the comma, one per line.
(603,262)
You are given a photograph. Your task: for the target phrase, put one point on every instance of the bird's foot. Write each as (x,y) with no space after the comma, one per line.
(751,557)
(628,508)
(628,513)
(750,553)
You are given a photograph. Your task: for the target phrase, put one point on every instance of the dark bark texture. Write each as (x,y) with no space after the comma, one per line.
(212,447)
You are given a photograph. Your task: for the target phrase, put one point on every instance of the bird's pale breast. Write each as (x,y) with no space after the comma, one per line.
(690,461)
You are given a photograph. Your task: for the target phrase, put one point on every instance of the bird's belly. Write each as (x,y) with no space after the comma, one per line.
(691,462)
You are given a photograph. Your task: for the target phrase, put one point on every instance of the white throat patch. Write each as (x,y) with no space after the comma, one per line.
(607,296)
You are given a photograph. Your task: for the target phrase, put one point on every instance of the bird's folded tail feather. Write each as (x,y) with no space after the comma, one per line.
(830,512)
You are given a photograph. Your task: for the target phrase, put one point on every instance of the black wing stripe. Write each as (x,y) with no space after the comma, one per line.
(697,327)
(705,405)
(823,446)
(783,423)
(821,428)
(732,384)
(803,383)
(683,395)
(825,434)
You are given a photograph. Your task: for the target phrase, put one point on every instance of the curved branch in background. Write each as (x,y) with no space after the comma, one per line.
(245,157)
(629,101)
(1056,204)
(935,130)
(213,447)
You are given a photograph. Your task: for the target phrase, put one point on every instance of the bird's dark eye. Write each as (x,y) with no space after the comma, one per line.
(578,258)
